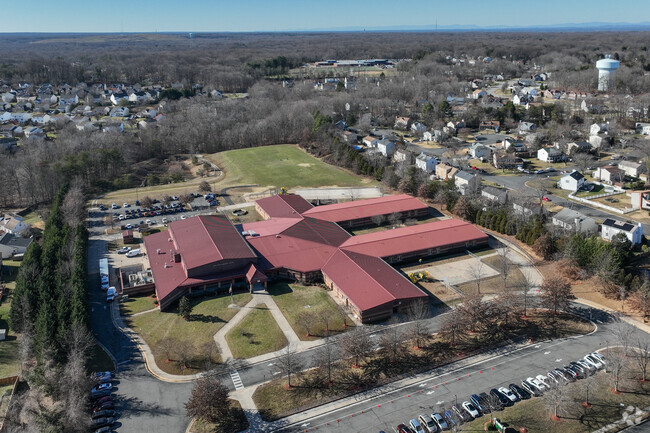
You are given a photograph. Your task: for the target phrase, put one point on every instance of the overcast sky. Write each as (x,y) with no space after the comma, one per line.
(278,15)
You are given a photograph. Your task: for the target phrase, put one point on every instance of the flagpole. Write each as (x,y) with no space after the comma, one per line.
(230,291)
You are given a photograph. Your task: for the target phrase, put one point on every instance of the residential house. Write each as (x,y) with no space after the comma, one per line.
(68,100)
(643,128)
(609,174)
(572,181)
(418,127)
(506,161)
(21,117)
(41,119)
(12,223)
(137,97)
(517,145)
(436,135)
(34,132)
(480,151)
(8,143)
(349,137)
(640,199)
(631,168)
(490,124)
(598,128)
(386,147)
(11,245)
(575,222)
(402,122)
(370,141)
(478,94)
(426,163)
(445,171)
(550,154)
(119,96)
(611,228)
(496,195)
(467,183)
(578,146)
(527,127)
(403,155)
(119,112)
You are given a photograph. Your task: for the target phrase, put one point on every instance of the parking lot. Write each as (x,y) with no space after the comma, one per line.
(450,385)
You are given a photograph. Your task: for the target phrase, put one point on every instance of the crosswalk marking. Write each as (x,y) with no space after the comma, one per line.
(236,380)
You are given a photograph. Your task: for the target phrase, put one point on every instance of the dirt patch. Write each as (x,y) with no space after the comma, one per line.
(439,292)
(304,164)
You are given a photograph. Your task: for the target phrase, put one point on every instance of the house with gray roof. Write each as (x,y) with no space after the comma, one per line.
(572,181)
(467,183)
(495,195)
(575,222)
(11,245)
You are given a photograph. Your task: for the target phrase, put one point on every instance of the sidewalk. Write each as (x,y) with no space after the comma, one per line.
(262,297)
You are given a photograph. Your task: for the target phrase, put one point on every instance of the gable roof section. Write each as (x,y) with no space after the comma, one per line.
(10,240)
(365,208)
(576,175)
(368,281)
(414,238)
(206,239)
(620,225)
(284,205)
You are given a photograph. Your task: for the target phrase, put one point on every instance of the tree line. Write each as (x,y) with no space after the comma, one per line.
(49,309)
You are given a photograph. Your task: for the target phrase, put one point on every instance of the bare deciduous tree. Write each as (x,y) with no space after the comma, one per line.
(305,322)
(356,344)
(556,294)
(205,187)
(73,208)
(505,265)
(378,219)
(623,332)
(476,272)
(325,356)
(417,331)
(525,287)
(555,400)
(642,356)
(616,365)
(391,342)
(146,202)
(289,362)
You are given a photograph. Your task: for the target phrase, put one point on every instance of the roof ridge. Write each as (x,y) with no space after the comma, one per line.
(347,253)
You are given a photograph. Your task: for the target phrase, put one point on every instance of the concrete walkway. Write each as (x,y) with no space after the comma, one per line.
(262,297)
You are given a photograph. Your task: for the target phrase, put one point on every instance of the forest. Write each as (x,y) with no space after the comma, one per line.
(273,113)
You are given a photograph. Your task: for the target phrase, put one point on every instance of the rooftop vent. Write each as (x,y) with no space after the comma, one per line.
(166,265)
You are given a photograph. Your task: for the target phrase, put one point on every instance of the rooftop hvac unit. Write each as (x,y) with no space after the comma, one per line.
(244,233)
(166,265)
(158,251)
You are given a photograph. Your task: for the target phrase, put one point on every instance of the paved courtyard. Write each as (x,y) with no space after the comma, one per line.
(458,271)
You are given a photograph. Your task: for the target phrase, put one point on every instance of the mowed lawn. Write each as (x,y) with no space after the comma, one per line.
(309,303)
(256,334)
(208,316)
(136,304)
(281,166)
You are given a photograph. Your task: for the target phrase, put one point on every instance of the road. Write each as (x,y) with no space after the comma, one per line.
(143,402)
(438,390)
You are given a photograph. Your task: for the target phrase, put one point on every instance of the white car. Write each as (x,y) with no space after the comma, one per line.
(183,217)
(442,424)
(509,395)
(588,367)
(470,409)
(593,361)
(427,423)
(126,205)
(124,250)
(114,206)
(543,379)
(599,357)
(536,384)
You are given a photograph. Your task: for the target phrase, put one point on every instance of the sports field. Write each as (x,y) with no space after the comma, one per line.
(280,166)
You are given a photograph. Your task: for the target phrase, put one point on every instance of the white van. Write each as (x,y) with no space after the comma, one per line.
(110,294)
(134,253)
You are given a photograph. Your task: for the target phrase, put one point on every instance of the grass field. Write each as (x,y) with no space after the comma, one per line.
(257,334)
(136,304)
(311,303)
(208,316)
(281,166)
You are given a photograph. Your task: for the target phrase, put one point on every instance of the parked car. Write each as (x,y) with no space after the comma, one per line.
(103,386)
(115,206)
(101,422)
(593,361)
(106,429)
(102,207)
(102,400)
(582,371)
(126,205)
(460,414)
(134,253)
(106,413)
(588,367)
(502,398)
(478,403)
(571,372)
(598,356)
(554,379)
(470,409)
(110,296)
(440,421)
(428,424)
(544,380)
(103,376)
(107,405)
(124,250)
(508,394)
(449,417)
(530,388)
(521,394)
(94,395)
(546,198)
(402,428)
(416,426)
(539,386)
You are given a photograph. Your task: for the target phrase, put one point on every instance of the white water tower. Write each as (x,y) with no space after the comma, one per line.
(606,68)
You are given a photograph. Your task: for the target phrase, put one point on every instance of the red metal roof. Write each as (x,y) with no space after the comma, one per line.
(284,205)
(206,239)
(365,208)
(253,274)
(305,246)
(414,238)
(368,281)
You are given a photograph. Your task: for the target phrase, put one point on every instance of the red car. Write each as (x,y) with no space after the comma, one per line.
(403,428)
(546,198)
